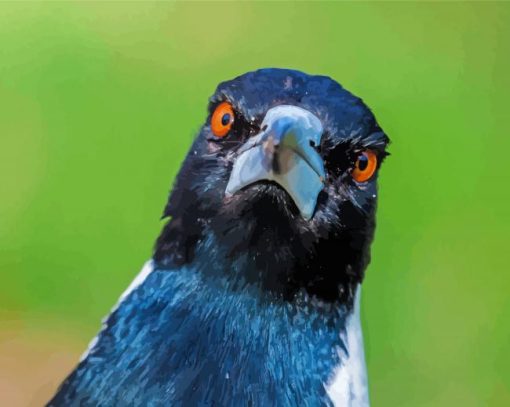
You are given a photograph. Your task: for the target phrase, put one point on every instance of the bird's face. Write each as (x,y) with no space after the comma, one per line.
(285,166)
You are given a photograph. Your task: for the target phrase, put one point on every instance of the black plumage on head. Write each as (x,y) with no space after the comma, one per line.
(257,235)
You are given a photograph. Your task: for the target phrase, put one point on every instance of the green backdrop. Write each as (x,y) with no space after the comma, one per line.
(99,103)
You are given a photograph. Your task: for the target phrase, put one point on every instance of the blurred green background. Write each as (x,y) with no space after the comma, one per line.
(99,103)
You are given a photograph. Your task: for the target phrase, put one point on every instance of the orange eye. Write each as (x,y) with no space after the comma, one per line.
(366,164)
(222,119)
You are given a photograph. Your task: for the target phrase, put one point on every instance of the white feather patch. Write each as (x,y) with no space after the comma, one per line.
(139,279)
(349,386)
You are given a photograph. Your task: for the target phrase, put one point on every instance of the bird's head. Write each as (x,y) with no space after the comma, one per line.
(283,175)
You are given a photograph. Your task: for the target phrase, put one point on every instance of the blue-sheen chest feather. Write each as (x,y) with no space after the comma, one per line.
(180,338)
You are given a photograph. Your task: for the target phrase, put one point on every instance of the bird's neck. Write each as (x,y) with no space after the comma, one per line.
(322,337)
(332,330)
(273,258)
(326,335)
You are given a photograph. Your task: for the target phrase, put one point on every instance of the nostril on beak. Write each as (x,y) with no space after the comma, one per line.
(315,146)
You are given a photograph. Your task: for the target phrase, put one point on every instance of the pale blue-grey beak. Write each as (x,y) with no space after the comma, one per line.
(284,152)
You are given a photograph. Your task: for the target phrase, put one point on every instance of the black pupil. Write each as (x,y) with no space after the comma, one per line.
(225,119)
(362,162)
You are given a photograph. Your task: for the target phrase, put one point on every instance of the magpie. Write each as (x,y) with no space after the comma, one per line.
(252,295)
